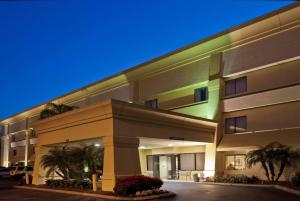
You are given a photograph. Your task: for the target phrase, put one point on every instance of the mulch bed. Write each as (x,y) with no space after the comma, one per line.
(73,189)
(283,183)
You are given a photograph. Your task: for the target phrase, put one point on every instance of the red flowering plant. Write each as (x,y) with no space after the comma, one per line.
(132,184)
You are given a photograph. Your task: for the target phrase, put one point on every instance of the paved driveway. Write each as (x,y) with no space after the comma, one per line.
(185,192)
(205,192)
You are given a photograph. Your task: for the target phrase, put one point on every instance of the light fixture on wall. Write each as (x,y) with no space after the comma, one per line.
(97,145)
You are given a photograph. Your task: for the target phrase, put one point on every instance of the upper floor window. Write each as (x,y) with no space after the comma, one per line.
(235,162)
(1,130)
(201,94)
(236,86)
(13,138)
(152,103)
(235,125)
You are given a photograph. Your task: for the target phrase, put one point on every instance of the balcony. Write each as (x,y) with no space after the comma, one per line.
(271,97)
(22,143)
(287,136)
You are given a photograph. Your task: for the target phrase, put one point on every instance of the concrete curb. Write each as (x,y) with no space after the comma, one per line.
(234,184)
(283,188)
(108,197)
(286,189)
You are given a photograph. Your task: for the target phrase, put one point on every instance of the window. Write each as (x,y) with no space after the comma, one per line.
(201,94)
(235,162)
(200,158)
(236,86)
(152,103)
(150,163)
(13,138)
(1,130)
(187,161)
(235,125)
(14,152)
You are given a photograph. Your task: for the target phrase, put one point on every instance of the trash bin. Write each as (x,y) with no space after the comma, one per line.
(196,178)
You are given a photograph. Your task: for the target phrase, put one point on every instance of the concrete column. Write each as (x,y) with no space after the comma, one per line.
(121,158)
(210,160)
(38,172)
(4,151)
(26,147)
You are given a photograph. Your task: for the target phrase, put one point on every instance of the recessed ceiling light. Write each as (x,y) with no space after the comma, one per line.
(170,145)
(97,145)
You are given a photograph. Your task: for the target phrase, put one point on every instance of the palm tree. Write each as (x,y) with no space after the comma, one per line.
(57,161)
(90,156)
(286,157)
(271,156)
(52,109)
(258,156)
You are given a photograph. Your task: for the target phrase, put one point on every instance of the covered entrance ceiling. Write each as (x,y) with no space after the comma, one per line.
(150,143)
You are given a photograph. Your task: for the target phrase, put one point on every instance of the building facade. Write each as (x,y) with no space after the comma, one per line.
(197,110)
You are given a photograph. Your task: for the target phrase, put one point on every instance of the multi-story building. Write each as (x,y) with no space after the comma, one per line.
(198,109)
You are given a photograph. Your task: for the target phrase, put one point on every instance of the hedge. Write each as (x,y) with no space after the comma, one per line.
(234,179)
(130,185)
(81,184)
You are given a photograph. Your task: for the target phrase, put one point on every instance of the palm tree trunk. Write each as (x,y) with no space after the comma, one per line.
(266,170)
(271,167)
(59,174)
(282,166)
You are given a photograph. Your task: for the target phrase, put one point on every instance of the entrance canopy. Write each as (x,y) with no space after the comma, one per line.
(119,127)
(118,118)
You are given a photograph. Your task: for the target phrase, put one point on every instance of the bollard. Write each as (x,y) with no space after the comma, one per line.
(94,182)
(27,178)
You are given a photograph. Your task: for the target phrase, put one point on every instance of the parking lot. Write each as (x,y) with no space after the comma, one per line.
(185,192)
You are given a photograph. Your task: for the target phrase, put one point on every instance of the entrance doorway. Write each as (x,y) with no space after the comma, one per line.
(165,166)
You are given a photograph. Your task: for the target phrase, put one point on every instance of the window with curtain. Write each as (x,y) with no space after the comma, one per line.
(187,162)
(236,86)
(235,125)
(235,162)
(150,163)
(200,158)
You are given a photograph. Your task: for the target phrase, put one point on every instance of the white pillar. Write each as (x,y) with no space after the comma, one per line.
(210,160)
(26,147)
(5,148)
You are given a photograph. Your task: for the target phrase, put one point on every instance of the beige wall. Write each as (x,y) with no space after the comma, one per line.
(275,48)
(256,170)
(172,79)
(279,116)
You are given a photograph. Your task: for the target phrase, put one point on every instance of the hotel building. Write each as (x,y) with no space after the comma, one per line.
(196,110)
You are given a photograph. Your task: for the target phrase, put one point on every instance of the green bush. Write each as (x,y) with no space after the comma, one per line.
(296,179)
(80,184)
(234,179)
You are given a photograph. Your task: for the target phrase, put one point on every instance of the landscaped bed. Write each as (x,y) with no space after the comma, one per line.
(242,179)
(127,188)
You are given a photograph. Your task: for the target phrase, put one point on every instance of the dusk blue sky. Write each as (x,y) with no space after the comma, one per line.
(49,48)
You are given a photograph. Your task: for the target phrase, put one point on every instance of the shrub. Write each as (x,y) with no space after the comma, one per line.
(132,184)
(81,184)
(296,179)
(234,179)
